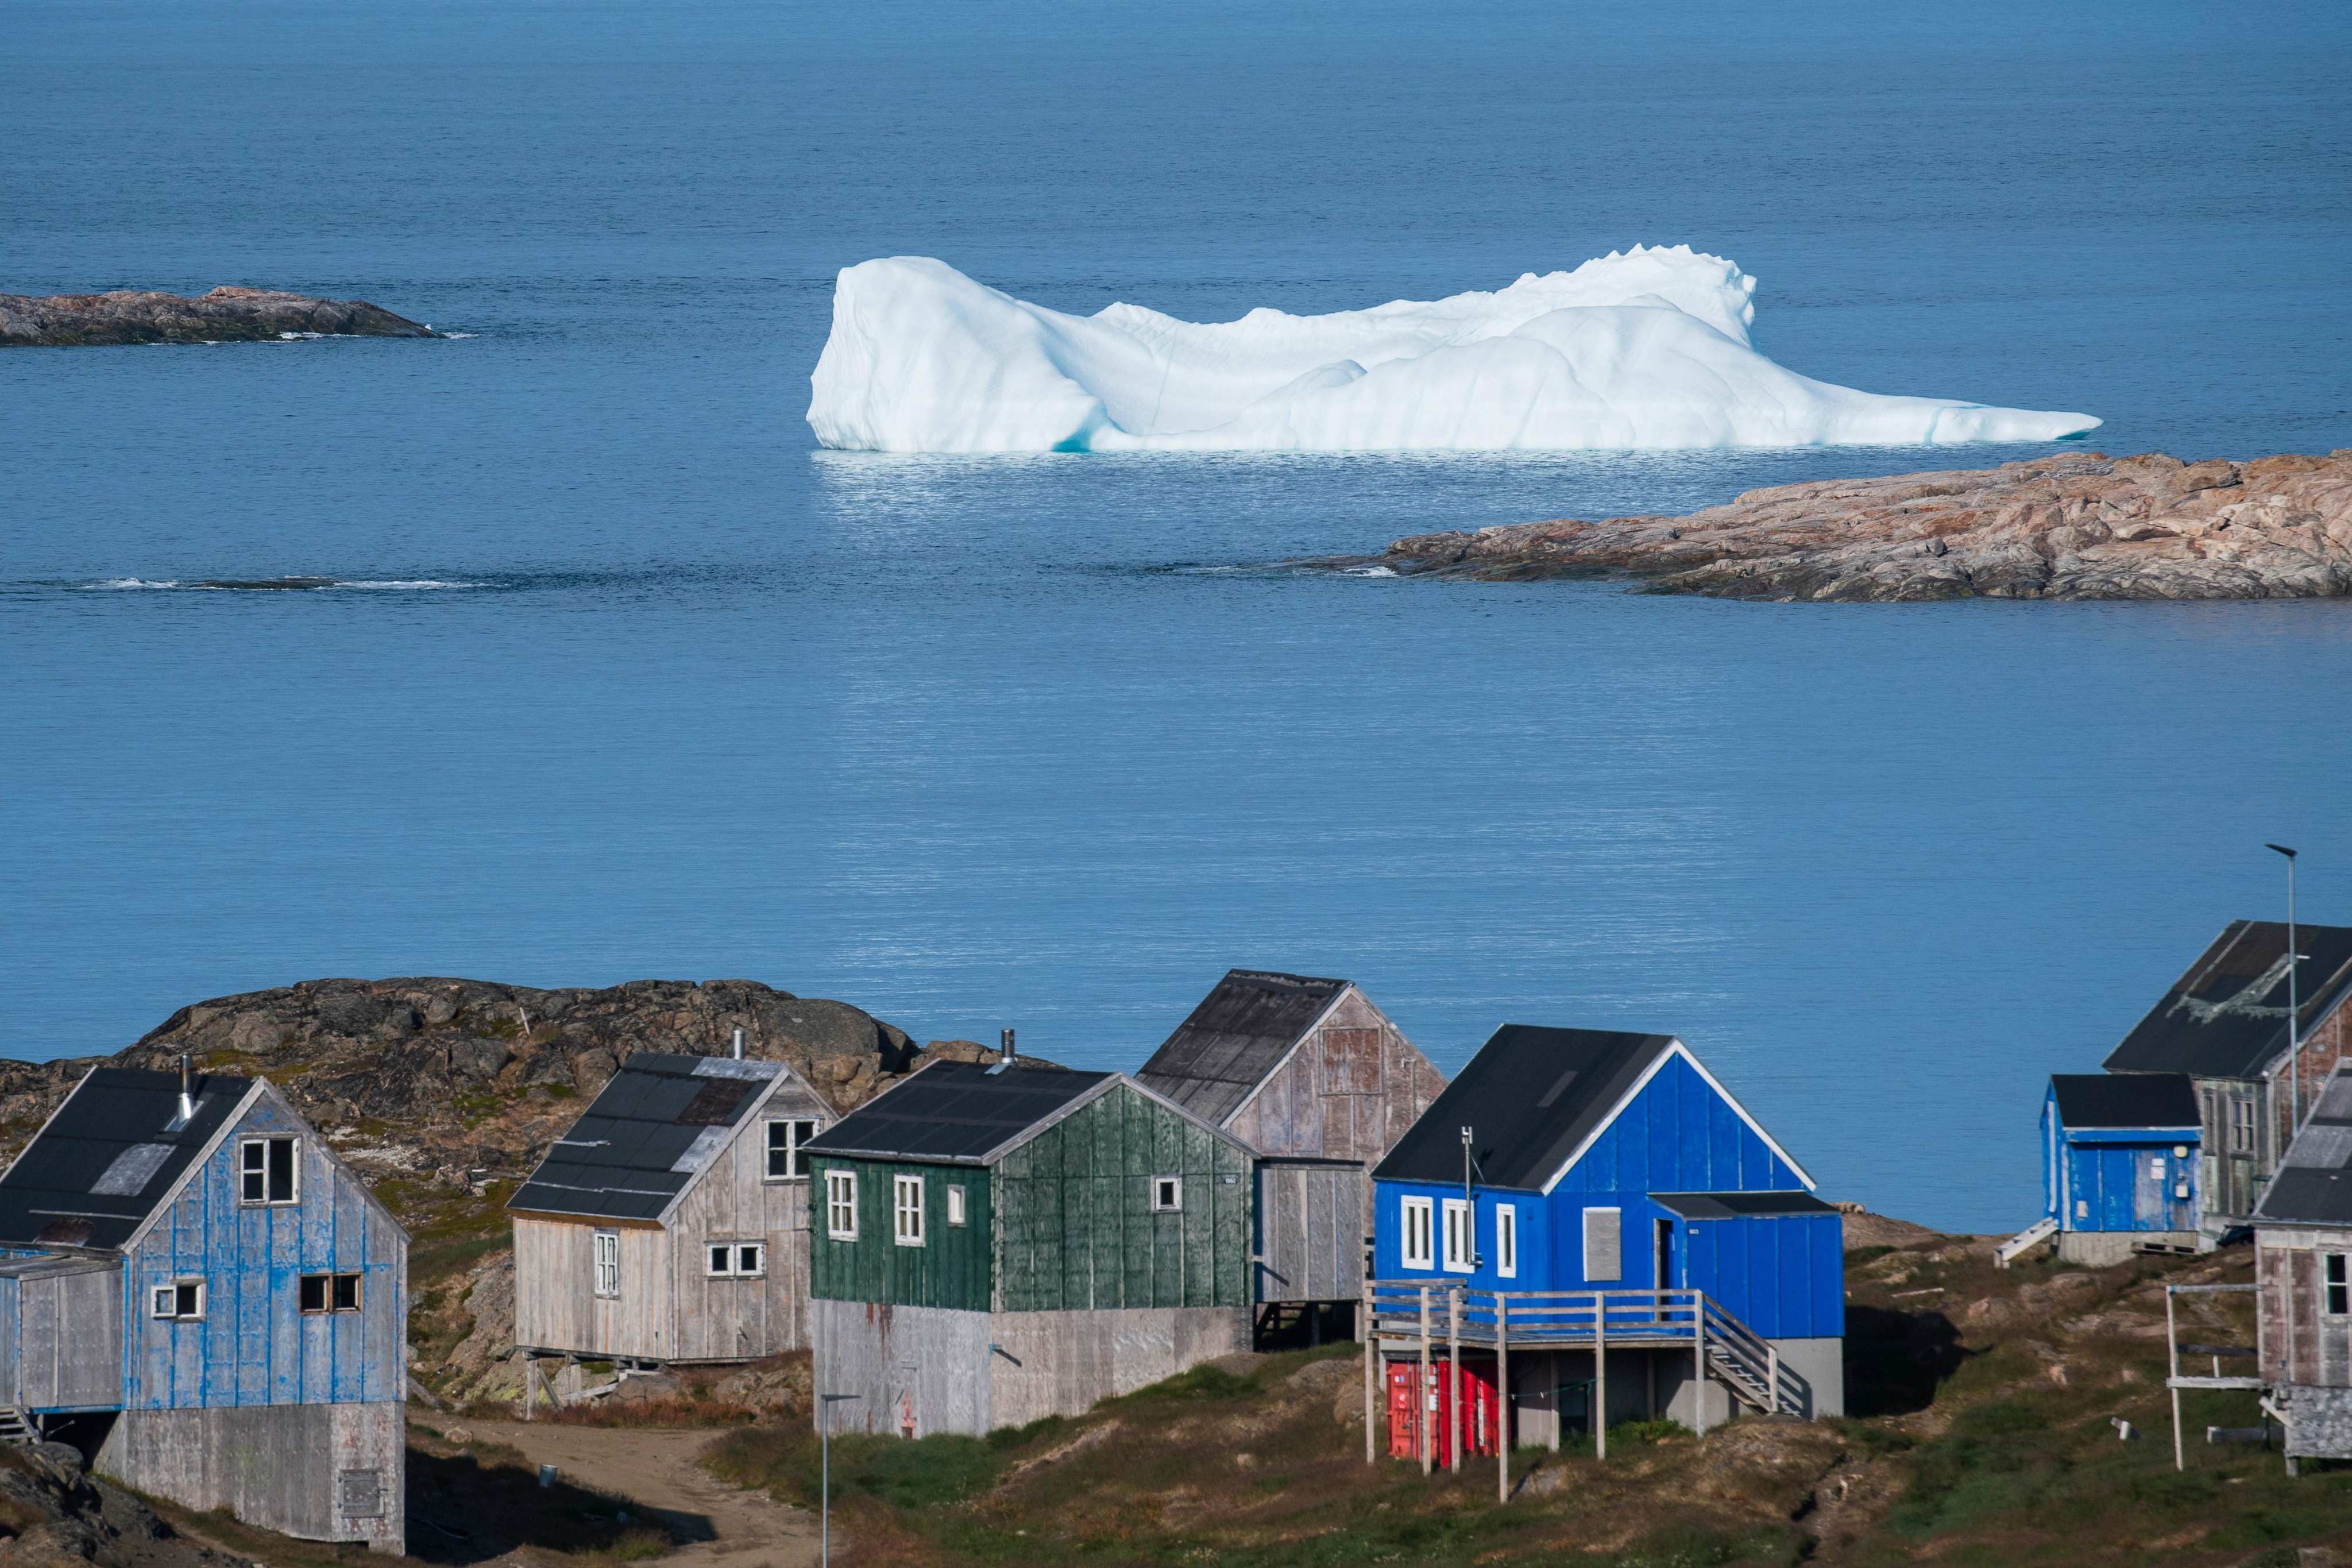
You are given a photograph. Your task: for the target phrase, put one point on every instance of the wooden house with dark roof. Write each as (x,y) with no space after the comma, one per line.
(1319,1082)
(1588,1221)
(2121,1164)
(2303,1279)
(2224,1024)
(999,1243)
(670,1223)
(200,1293)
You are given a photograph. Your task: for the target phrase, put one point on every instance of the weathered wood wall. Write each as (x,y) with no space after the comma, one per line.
(923,1366)
(2298,1342)
(1311,1229)
(953,1266)
(253,1346)
(1076,1228)
(63,1323)
(1349,1091)
(724,1319)
(298,1469)
(556,1304)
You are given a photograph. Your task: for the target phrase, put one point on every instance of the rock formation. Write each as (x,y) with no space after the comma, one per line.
(225,315)
(53,1515)
(2080,525)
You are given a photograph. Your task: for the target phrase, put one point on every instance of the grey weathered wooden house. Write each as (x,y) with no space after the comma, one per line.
(200,1292)
(1320,1085)
(670,1224)
(995,1245)
(2302,1275)
(2224,1024)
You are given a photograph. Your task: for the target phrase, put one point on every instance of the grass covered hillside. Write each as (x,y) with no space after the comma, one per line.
(1984,1432)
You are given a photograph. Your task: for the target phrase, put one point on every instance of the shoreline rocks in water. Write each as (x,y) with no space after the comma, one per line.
(2078,525)
(225,315)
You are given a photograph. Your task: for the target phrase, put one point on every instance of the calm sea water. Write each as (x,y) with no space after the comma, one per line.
(977,743)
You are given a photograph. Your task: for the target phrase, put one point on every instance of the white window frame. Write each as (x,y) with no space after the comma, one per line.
(606,1255)
(751,1260)
(1585,1259)
(719,1259)
(2241,1124)
(1461,1236)
(1506,1240)
(841,1205)
(795,1160)
(167,1297)
(245,1171)
(955,1203)
(1415,1233)
(2335,1284)
(907,1210)
(1167,1194)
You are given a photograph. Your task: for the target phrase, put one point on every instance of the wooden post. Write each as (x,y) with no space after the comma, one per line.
(1771,1378)
(1367,1330)
(1502,1394)
(2172,1378)
(1698,1353)
(1600,1375)
(1423,1391)
(1453,1381)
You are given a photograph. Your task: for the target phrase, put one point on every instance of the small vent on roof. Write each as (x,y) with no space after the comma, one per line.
(1552,1095)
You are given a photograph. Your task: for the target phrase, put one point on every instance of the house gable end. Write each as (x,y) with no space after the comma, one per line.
(1677,1128)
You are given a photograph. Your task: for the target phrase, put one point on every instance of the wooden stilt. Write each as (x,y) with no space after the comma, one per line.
(1424,1394)
(529,1385)
(1452,1411)
(2171,1376)
(1600,1375)
(1367,1330)
(1559,1417)
(1771,1378)
(1698,1358)
(1502,1396)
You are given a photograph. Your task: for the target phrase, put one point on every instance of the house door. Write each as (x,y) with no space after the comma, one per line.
(1669,1268)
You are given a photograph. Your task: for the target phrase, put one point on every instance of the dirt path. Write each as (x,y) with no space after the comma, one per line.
(722,1526)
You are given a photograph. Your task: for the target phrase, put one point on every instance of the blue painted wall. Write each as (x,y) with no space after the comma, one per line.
(254,1346)
(1783,1276)
(2118,1178)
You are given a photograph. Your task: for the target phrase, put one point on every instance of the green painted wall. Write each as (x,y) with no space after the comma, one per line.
(1076,1223)
(950,1269)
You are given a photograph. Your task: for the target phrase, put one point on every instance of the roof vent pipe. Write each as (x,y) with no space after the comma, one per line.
(187,1103)
(738,1045)
(1005,1046)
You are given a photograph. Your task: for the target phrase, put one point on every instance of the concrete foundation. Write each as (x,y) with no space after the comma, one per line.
(2104,1248)
(321,1472)
(2319,1421)
(1553,1391)
(920,1370)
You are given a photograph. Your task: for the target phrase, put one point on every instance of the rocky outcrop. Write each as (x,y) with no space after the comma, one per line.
(54,1515)
(2077,526)
(225,315)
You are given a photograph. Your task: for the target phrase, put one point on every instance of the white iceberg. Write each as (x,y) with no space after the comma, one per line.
(1646,349)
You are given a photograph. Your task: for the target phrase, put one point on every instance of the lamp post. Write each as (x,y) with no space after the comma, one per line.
(2294,1012)
(825,1401)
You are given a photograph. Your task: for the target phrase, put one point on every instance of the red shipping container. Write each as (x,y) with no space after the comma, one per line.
(1471,1418)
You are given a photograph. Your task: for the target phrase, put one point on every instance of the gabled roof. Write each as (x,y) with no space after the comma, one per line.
(960,1112)
(2166,1100)
(1741,1205)
(2313,1183)
(112,1153)
(1532,1096)
(648,1135)
(2226,1017)
(1240,1033)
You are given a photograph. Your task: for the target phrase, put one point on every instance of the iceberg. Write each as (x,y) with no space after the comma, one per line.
(1647,348)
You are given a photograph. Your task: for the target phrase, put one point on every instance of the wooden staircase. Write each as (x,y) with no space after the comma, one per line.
(19,1427)
(2025,1241)
(1749,1366)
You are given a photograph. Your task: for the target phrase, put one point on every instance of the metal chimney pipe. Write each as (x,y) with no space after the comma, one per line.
(1006,1048)
(738,1045)
(187,1102)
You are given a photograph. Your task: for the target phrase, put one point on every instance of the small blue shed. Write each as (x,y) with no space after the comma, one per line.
(2121,1162)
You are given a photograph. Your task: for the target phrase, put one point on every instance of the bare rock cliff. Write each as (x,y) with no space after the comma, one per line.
(225,315)
(2077,526)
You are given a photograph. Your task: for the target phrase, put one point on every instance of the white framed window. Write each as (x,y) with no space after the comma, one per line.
(907,1210)
(955,1204)
(608,1263)
(1604,1244)
(181,1301)
(2334,1285)
(316,1293)
(751,1260)
(732,1259)
(841,1205)
(267,1171)
(2242,1126)
(1461,1241)
(1506,1240)
(1414,1234)
(786,1137)
(1167,1193)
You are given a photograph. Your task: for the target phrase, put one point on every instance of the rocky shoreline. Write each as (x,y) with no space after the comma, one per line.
(2080,525)
(224,315)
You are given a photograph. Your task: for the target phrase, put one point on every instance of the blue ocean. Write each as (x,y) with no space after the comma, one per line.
(623,677)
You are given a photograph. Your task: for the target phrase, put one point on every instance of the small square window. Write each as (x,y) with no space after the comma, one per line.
(181,1301)
(265,1171)
(328,1294)
(347,1292)
(746,1262)
(311,1296)
(787,1141)
(1167,1193)
(720,1259)
(955,1205)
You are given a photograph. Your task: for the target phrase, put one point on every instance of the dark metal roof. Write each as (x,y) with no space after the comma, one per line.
(1240,1032)
(955,1110)
(110,1156)
(2313,1183)
(2166,1100)
(1739,1205)
(1530,1096)
(2227,1016)
(657,1123)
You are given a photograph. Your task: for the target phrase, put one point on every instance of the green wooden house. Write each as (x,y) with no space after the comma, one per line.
(991,1245)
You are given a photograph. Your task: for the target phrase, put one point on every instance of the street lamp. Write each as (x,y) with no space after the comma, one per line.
(2293,1013)
(825,1401)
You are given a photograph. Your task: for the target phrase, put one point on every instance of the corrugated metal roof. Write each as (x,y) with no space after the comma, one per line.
(657,1123)
(955,1111)
(111,1154)
(2313,1183)
(2226,1017)
(1739,1205)
(2166,1100)
(1239,1033)
(1530,1096)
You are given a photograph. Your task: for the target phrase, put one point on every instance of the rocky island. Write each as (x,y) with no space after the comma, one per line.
(225,315)
(2080,525)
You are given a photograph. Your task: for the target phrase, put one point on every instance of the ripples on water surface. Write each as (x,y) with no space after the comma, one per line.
(1037,741)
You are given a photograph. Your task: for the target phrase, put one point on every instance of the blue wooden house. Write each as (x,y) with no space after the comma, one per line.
(1599,1207)
(197,1291)
(2122,1154)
